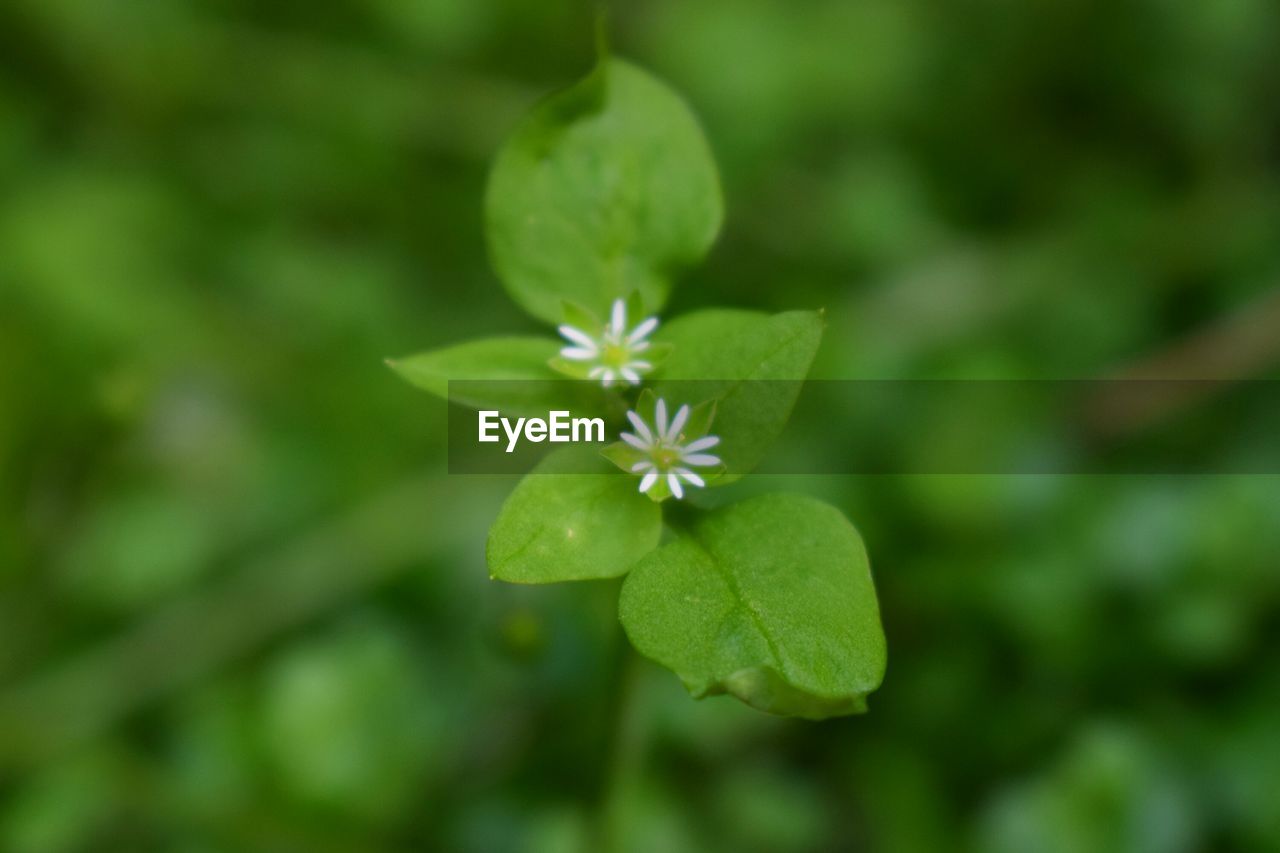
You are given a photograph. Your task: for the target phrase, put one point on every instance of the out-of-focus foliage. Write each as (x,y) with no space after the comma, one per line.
(242,607)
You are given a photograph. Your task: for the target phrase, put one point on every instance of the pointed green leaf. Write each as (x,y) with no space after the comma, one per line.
(752,364)
(572,518)
(606,189)
(770,600)
(509,374)
(624,456)
(635,308)
(580,318)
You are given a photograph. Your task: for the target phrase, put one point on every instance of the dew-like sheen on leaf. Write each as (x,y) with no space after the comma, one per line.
(770,600)
(572,526)
(604,190)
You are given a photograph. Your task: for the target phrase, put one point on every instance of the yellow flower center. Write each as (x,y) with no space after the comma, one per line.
(665,457)
(614,355)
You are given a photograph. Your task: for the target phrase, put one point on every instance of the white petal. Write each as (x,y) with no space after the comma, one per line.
(701,443)
(639,346)
(619,321)
(640,365)
(673,483)
(607,377)
(642,428)
(579,337)
(691,477)
(642,465)
(678,422)
(647,481)
(578,353)
(629,375)
(597,372)
(700,459)
(642,330)
(636,442)
(660,417)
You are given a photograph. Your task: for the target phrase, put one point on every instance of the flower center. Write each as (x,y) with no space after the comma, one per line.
(665,457)
(615,355)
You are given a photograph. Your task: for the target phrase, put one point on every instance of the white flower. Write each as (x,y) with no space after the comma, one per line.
(614,355)
(667,455)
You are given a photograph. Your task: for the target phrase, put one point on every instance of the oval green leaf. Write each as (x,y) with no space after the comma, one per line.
(752,364)
(561,524)
(770,600)
(605,190)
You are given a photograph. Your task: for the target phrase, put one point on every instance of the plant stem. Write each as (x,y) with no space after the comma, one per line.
(624,753)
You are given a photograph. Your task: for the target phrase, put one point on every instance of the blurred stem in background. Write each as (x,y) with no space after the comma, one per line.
(188,639)
(625,752)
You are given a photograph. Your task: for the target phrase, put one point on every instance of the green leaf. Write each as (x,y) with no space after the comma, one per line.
(752,364)
(509,374)
(572,518)
(606,189)
(581,319)
(770,600)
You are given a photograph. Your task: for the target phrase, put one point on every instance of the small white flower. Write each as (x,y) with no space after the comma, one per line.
(667,456)
(614,355)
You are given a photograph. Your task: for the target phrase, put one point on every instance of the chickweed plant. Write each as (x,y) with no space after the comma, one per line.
(602,196)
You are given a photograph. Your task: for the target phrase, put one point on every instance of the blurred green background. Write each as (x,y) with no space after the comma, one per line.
(242,607)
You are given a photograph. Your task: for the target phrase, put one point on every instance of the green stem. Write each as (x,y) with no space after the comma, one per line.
(625,749)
